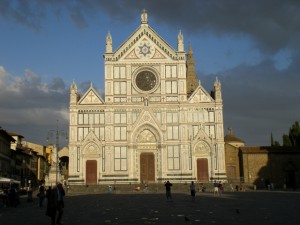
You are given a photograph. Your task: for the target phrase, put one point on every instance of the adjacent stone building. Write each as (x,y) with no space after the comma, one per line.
(5,153)
(262,166)
(156,121)
(276,166)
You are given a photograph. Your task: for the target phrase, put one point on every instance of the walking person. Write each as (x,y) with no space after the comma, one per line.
(41,195)
(216,188)
(168,186)
(231,187)
(56,204)
(193,190)
(220,188)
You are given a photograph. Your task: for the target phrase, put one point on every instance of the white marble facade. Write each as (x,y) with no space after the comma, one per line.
(146,128)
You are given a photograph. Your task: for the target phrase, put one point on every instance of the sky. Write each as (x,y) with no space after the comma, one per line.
(252,47)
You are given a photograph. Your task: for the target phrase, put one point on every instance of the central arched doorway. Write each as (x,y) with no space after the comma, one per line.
(147,170)
(147,153)
(91,172)
(202,170)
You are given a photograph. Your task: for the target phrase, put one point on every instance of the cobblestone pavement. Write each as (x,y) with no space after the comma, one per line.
(238,208)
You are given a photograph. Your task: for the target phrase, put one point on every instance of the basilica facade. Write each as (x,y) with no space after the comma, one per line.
(155,122)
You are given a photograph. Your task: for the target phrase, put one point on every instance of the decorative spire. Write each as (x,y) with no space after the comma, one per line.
(74,86)
(144,17)
(217,83)
(180,42)
(217,90)
(108,43)
(73,94)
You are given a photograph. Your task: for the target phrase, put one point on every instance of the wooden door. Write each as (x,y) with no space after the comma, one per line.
(147,167)
(231,175)
(91,172)
(202,170)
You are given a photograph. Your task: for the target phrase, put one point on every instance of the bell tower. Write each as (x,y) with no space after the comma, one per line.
(191,79)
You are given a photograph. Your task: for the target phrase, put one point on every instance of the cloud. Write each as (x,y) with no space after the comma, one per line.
(259,99)
(28,102)
(272,24)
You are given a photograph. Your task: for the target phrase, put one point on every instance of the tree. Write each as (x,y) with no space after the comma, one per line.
(272,140)
(293,138)
(286,140)
(274,143)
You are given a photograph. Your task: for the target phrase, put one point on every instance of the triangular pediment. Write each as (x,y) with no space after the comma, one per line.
(200,95)
(90,137)
(91,144)
(145,44)
(146,121)
(201,135)
(146,117)
(91,97)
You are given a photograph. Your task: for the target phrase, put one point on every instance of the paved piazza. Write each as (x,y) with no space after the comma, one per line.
(262,207)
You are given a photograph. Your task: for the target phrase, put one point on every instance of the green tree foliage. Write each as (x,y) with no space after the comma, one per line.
(272,139)
(286,140)
(294,134)
(293,138)
(274,143)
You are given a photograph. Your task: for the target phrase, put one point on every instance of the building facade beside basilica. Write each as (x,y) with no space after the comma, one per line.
(156,121)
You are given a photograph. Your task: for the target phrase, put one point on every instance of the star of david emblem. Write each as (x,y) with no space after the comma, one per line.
(144,49)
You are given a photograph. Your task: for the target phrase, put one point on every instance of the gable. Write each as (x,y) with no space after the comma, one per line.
(200,95)
(145,44)
(146,120)
(90,97)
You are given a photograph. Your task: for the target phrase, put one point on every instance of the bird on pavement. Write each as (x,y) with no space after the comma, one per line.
(186,219)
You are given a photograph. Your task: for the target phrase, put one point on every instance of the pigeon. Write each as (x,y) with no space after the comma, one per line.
(186,219)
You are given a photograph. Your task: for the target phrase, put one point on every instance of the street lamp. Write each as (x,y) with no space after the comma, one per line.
(58,133)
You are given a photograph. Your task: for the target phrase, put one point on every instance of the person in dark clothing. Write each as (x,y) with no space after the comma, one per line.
(168,186)
(48,192)
(55,203)
(41,195)
(193,190)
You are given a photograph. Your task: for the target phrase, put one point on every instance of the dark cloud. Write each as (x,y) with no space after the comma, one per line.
(272,24)
(259,99)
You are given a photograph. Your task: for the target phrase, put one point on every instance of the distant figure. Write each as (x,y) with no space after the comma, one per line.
(193,190)
(231,187)
(237,187)
(41,195)
(56,204)
(109,189)
(12,195)
(48,192)
(241,187)
(216,188)
(168,186)
(220,188)
(29,193)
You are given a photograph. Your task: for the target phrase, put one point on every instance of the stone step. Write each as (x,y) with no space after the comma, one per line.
(154,187)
